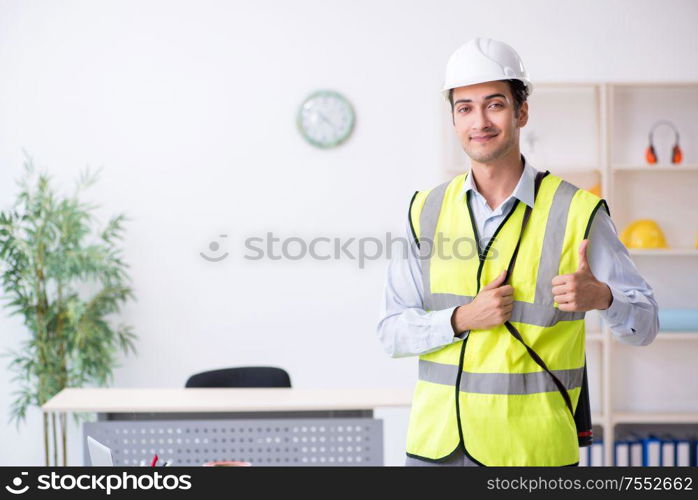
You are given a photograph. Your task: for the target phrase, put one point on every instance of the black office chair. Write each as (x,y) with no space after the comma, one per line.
(244,376)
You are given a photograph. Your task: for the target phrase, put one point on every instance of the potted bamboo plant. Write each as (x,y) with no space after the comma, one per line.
(67,281)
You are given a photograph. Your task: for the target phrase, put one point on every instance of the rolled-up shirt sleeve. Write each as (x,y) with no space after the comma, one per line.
(633,314)
(405,328)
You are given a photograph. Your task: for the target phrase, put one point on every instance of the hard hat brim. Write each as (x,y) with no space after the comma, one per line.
(474,81)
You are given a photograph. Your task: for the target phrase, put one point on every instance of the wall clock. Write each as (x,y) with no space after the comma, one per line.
(325,119)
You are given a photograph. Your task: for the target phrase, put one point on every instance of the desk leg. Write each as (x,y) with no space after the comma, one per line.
(45,418)
(54,434)
(64,436)
(55,438)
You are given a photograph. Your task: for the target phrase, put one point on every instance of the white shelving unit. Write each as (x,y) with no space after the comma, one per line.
(656,170)
(593,133)
(668,252)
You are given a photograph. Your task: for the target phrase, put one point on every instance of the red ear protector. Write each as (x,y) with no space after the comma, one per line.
(676,154)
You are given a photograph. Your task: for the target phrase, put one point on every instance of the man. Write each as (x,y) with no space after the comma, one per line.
(499,330)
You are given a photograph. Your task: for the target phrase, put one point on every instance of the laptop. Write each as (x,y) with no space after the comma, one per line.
(100,455)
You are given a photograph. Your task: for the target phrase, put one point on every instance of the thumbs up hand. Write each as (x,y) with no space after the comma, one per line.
(581,291)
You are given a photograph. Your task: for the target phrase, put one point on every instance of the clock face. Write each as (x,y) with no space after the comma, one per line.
(326,119)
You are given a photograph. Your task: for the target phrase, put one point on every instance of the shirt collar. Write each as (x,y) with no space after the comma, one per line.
(524,189)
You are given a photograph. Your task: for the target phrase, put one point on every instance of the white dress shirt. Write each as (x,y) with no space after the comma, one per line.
(406,329)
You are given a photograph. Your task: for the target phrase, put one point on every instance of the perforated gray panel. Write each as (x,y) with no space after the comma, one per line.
(283,442)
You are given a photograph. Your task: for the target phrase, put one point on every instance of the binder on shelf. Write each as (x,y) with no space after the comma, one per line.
(683,453)
(651,452)
(596,454)
(668,453)
(636,453)
(622,453)
(584,456)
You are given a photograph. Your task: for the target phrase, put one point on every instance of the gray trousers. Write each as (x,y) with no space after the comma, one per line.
(457,459)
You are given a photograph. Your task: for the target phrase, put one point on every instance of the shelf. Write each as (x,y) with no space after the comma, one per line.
(654,84)
(663,252)
(677,336)
(668,336)
(651,418)
(655,168)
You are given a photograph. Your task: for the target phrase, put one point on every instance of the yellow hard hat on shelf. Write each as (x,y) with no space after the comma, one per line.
(643,233)
(595,189)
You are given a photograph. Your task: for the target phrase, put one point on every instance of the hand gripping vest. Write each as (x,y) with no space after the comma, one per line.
(505,395)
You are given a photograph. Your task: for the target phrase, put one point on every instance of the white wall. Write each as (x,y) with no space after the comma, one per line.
(190,107)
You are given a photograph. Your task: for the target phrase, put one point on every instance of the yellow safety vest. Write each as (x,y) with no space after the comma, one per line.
(486,394)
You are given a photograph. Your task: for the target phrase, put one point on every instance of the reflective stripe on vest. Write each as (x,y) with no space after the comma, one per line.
(498,383)
(510,411)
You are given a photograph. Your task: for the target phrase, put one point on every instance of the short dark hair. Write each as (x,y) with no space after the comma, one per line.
(518,92)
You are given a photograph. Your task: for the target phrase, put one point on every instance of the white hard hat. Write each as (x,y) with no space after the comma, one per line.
(484,60)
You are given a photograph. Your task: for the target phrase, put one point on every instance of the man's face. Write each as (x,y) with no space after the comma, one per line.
(485,122)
